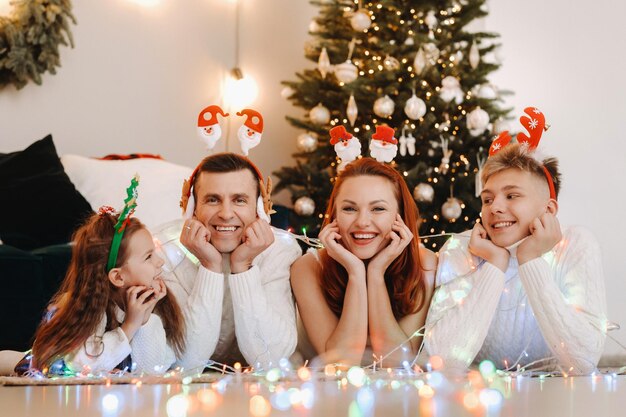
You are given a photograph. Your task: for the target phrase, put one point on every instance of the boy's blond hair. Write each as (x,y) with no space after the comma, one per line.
(520,157)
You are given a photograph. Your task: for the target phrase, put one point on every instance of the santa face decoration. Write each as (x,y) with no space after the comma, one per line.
(348,150)
(383,146)
(209,129)
(249,134)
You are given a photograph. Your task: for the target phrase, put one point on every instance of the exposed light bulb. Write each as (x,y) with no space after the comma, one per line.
(240,90)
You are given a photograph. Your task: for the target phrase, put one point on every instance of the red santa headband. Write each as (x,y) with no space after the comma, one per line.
(339,133)
(212,111)
(254,119)
(385,134)
(535,123)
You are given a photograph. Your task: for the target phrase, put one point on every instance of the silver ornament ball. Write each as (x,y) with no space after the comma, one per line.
(384,106)
(304,206)
(451,209)
(360,20)
(306,142)
(423,192)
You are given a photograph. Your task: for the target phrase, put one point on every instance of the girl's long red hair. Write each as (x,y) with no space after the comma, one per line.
(404,277)
(86,294)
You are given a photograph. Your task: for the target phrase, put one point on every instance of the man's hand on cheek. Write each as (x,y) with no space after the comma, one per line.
(545,233)
(256,238)
(197,238)
(481,246)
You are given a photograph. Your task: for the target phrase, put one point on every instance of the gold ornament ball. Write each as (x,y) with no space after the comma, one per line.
(451,209)
(424,193)
(304,206)
(384,106)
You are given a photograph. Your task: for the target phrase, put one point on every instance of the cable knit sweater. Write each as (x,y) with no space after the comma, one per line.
(551,306)
(247,317)
(103,351)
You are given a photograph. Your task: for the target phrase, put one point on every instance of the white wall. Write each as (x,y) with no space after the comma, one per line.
(568,60)
(138,77)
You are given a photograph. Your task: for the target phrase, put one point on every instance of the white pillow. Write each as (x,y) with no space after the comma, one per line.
(104,182)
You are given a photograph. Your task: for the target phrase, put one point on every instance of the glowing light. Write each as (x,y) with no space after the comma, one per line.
(281,401)
(110,403)
(470,401)
(435,379)
(240,90)
(329,370)
(356,376)
(308,395)
(177,406)
(426,391)
(354,410)
(209,399)
(259,406)
(273,375)
(487,369)
(365,400)
(5,8)
(490,398)
(304,373)
(436,362)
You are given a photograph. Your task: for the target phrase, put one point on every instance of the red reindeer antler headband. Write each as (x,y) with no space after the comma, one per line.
(535,123)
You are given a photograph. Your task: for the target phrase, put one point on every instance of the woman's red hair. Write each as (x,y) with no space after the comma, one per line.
(404,277)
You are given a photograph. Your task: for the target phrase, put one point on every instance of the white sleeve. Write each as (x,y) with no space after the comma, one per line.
(100,354)
(201,303)
(264,310)
(571,310)
(151,352)
(462,306)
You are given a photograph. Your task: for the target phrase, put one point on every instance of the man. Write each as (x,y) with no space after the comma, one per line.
(237,301)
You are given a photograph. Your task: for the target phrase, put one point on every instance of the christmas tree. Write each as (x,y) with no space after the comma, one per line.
(410,64)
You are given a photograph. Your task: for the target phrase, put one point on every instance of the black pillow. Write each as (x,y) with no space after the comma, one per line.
(40,205)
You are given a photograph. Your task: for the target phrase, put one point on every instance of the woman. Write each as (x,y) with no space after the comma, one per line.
(372,280)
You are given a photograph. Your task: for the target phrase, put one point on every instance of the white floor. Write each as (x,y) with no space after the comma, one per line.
(431,396)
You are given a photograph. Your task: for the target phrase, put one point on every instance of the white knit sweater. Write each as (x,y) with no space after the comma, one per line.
(103,351)
(552,306)
(247,317)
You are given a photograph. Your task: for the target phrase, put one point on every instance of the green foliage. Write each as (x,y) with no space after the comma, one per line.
(30,39)
(398,30)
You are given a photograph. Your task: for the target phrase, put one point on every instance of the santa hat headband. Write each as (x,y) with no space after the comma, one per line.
(264,202)
(383,146)
(535,123)
(210,130)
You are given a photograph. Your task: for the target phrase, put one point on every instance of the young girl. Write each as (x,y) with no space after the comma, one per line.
(112,309)
(372,280)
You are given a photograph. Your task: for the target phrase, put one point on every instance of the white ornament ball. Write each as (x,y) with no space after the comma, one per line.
(306,142)
(500,126)
(415,108)
(314,26)
(346,72)
(451,209)
(477,121)
(424,193)
(304,206)
(384,106)
(319,115)
(487,91)
(360,20)
(430,19)
(287,92)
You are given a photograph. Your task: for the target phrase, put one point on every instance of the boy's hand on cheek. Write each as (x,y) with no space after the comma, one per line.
(197,238)
(545,233)
(481,246)
(257,237)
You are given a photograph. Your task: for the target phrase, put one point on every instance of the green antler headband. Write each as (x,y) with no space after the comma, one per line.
(130,203)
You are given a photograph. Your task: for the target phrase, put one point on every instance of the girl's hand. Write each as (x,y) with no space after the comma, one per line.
(140,302)
(400,236)
(330,237)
